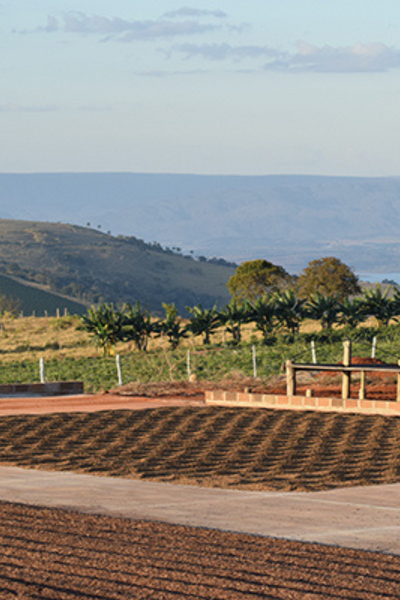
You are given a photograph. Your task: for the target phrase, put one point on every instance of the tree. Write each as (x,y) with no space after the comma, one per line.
(262,314)
(171,326)
(9,306)
(289,310)
(324,309)
(204,321)
(233,316)
(137,326)
(255,278)
(106,325)
(352,312)
(328,276)
(377,304)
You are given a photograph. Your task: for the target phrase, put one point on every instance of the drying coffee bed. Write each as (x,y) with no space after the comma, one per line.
(221,447)
(48,553)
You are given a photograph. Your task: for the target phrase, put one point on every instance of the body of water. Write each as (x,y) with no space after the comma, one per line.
(379,277)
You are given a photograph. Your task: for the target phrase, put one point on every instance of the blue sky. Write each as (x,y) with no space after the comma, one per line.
(255,87)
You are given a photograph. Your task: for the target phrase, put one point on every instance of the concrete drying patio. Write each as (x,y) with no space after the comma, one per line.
(364,517)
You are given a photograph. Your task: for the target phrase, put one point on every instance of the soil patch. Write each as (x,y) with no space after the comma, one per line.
(219,447)
(65,555)
(379,386)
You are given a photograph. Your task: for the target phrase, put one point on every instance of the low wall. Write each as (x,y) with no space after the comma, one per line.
(371,407)
(53,388)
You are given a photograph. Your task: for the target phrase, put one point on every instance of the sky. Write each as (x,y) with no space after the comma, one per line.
(256,87)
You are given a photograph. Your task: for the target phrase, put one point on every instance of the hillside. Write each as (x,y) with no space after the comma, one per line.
(289,220)
(33,299)
(92,266)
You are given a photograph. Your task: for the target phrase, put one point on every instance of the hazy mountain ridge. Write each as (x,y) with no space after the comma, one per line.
(286,219)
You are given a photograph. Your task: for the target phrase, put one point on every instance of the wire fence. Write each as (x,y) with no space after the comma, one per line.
(205,363)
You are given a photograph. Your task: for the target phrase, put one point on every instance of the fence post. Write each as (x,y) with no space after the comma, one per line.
(346,376)
(313,354)
(398,383)
(373,350)
(41,369)
(290,379)
(119,372)
(253,349)
(361,393)
(188,366)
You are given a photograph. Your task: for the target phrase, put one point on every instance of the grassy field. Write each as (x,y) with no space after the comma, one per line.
(70,354)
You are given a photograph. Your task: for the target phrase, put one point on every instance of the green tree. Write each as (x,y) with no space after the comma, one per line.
(9,306)
(324,309)
(171,326)
(255,278)
(378,304)
(352,312)
(138,326)
(262,314)
(204,321)
(106,325)
(328,276)
(289,310)
(232,316)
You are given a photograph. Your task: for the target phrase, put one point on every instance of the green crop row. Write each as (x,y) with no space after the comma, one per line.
(212,363)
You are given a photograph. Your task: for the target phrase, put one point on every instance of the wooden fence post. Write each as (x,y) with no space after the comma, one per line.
(290,379)
(346,376)
(188,365)
(398,383)
(119,371)
(361,393)
(254,355)
(313,353)
(41,371)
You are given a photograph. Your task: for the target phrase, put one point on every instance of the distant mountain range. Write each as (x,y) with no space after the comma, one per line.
(288,220)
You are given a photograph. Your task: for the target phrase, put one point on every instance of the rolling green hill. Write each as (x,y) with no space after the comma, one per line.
(35,300)
(92,266)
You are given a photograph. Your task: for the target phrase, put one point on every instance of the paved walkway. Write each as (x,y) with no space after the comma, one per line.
(365,518)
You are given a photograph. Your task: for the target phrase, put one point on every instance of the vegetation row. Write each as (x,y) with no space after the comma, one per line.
(278,312)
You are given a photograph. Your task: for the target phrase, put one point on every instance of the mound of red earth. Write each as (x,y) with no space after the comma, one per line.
(379,386)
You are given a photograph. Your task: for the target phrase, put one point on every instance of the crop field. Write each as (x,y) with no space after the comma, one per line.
(212,446)
(51,553)
(44,554)
(70,354)
(47,553)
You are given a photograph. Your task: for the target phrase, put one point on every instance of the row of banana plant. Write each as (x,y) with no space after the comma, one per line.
(282,310)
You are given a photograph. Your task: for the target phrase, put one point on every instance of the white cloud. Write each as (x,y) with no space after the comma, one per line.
(225,51)
(162,74)
(195,12)
(372,57)
(122,29)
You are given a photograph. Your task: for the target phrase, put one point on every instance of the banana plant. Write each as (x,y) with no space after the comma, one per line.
(352,312)
(289,310)
(171,326)
(233,316)
(262,313)
(105,324)
(324,309)
(378,304)
(138,326)
(204,321)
